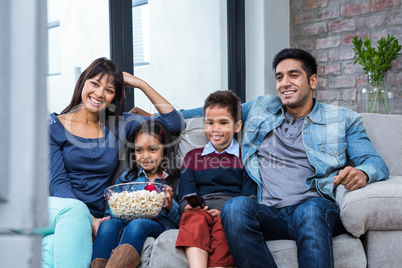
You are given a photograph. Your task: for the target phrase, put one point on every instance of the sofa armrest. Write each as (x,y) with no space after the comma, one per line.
(376,206)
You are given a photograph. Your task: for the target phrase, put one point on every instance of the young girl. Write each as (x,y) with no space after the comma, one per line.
(154,161)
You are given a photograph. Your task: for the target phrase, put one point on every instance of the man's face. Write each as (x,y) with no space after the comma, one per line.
(293,86)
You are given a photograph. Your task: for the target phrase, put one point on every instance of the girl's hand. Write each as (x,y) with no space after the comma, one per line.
(168,199)
(214,213)
(95,225)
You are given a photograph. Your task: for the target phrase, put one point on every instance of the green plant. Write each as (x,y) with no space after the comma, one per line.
(376,62)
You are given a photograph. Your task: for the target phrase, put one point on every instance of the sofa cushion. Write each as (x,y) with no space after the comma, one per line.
(383,248)
(376,206)
(383,131)
(192,137)
(147,251)
(348,252)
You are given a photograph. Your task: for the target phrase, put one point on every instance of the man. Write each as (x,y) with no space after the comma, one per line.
(298,151)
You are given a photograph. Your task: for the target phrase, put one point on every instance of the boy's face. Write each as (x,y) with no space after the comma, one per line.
(220,127)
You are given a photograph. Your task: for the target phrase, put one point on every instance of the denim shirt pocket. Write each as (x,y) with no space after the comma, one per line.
(334,153)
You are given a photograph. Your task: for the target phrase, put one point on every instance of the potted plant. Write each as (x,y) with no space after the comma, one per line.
(376,63)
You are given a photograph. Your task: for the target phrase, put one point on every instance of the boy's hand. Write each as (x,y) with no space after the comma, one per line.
(214,213)
(188,208)
(132,81)
(168,199)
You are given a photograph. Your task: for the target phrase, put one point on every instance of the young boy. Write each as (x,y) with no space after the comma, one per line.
(215,172)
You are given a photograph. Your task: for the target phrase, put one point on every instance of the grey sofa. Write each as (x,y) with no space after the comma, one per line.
(371,215)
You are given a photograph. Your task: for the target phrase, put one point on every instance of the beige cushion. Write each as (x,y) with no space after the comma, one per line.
(348,252)
(376,206)
(384,131)
(383,249)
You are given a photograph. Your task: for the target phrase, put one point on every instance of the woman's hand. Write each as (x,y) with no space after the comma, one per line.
(132,81)
(161,104)
(96,222)
(168,199)
(214,213)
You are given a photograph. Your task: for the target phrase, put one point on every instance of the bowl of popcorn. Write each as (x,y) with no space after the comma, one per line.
(135,200)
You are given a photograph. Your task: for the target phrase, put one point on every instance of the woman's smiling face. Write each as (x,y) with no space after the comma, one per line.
(98,93)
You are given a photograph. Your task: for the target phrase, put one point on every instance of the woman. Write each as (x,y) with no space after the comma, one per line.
(86,137)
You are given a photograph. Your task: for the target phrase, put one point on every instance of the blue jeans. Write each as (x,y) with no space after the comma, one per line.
(113,232)
(312,223)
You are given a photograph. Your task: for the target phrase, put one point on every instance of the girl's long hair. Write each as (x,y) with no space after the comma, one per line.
(102,67)
(169,163)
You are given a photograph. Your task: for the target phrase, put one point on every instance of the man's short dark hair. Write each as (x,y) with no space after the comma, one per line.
(224,99)
(309,63)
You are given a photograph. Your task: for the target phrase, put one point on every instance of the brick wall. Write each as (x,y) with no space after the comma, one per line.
(326,27)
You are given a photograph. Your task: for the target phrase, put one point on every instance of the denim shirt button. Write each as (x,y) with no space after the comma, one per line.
(335,152)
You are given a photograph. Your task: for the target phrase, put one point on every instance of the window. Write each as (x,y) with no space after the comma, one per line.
(53,30)
(78,33)
(141,32)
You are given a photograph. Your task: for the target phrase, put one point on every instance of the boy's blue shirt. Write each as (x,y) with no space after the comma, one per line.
(169,221)
(233,149)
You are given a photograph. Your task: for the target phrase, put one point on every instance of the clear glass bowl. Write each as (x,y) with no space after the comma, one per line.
(135,200)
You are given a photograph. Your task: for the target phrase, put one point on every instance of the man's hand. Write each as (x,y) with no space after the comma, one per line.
(351,178)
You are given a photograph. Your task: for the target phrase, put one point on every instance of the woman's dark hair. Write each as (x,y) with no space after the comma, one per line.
(102,67)
(169,142)
(309,63)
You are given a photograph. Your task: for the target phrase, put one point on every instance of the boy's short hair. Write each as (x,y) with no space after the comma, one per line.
(224,99)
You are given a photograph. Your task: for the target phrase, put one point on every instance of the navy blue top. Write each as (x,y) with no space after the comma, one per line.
(209,173)
(82,168)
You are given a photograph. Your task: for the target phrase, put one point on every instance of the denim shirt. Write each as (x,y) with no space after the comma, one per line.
(169,221)
(332,136)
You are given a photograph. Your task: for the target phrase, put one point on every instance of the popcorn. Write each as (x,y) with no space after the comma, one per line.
(143,204)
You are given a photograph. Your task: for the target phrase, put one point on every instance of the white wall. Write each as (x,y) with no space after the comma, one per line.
(188,51)
(84,31)
(267,32)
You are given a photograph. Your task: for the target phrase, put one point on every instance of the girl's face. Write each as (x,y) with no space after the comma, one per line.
(98,93)
(148,153)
